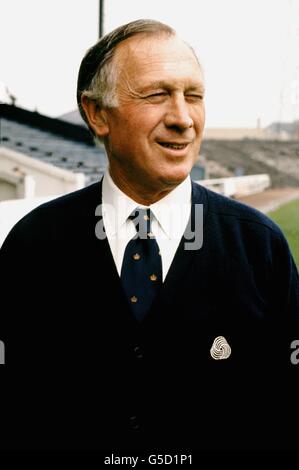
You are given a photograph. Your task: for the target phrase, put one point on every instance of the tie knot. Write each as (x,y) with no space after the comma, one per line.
(142,219)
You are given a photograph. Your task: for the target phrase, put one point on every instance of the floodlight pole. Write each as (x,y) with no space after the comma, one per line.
(101,18)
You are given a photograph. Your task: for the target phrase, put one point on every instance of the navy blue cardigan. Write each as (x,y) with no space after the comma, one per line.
(82,373)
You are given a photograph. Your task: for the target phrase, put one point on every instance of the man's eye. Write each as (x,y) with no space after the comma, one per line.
(195,97)
(156,96)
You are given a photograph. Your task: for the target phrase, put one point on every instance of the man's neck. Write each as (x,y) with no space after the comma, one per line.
(139,193)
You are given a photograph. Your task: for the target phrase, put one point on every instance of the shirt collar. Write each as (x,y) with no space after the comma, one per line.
(117,206)
(169,210)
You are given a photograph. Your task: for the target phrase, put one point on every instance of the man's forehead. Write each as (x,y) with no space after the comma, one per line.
(148,47)
(150,58)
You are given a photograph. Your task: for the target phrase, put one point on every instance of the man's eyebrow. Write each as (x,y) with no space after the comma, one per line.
(168,86)
(153,86)
(200,88)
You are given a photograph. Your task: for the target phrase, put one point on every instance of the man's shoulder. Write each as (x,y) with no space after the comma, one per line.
(232,211)
(57,216)
(76,200)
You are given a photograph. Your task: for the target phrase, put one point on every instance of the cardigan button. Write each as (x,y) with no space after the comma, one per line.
(138,352)
(134,423)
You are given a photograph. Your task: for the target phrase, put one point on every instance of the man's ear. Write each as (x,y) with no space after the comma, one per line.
(96,116)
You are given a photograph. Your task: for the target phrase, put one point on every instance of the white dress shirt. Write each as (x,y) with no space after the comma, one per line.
(171,215)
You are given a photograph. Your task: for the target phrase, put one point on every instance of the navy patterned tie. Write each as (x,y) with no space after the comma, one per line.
(141,272)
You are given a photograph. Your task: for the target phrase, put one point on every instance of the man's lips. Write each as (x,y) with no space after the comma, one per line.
(174,145)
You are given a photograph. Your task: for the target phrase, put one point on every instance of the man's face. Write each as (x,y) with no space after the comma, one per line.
(154,134)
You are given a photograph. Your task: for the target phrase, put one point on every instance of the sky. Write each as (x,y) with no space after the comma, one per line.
(249,50)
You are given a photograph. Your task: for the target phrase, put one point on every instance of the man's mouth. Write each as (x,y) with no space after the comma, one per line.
(173,146)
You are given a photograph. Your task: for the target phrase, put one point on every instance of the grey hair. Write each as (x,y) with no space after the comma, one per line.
(103,86)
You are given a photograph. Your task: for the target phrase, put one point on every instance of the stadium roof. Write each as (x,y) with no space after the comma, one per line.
(63,144)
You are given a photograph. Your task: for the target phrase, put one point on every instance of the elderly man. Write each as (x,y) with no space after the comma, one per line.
(145,311)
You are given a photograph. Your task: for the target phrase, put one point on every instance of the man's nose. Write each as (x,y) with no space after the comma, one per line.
(178,114)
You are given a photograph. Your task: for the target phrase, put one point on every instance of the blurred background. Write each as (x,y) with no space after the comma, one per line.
(249,50)
(250,53)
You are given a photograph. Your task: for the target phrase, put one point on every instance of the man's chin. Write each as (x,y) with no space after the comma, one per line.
(174,179)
